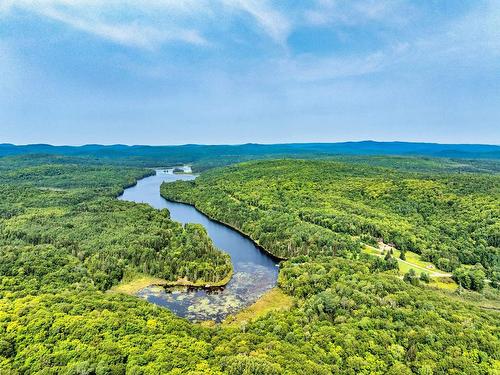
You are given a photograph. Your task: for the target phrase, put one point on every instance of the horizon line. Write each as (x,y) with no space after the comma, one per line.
(242,144)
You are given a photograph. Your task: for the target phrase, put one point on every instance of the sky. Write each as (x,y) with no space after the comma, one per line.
(239,71)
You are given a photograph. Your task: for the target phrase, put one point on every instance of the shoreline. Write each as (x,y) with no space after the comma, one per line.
(132,287)
(201,284)
(151,173)
(141,281)
(257,245)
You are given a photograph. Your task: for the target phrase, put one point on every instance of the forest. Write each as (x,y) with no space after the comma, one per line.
(65,241)
(310,207)
(65,216)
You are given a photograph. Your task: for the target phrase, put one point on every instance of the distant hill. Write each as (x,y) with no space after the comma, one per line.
(224,154)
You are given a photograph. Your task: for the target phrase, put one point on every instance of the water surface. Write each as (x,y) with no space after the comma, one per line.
(255,272)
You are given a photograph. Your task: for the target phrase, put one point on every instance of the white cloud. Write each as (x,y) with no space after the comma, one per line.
(273,22)
(177,6)
(478,32)
(132,34)
(469,40)
(152,23)
(97,18)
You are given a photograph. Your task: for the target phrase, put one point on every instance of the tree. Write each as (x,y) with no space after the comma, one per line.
(472,278)
(411,277)
(424,276)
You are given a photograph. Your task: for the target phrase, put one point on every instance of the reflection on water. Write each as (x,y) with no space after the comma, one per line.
(254,271)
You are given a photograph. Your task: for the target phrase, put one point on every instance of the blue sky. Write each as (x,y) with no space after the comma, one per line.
(237,71)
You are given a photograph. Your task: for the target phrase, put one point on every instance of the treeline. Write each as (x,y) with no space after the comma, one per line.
(293,206)
(480,158)
(283,234)
(64,220)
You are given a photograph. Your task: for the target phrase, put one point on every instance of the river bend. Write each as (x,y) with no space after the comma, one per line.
(255,272)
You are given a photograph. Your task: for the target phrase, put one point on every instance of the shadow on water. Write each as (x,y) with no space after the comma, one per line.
(255,272)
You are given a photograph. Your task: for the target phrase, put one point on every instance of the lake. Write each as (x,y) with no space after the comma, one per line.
(255,272)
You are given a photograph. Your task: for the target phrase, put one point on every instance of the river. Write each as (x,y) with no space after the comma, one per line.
(255,272)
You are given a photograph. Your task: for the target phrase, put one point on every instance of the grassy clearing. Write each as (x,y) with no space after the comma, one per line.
(371,250)
(439,279)
(444,283)
(405,267)
(273,300)
(412,258)
(413,261)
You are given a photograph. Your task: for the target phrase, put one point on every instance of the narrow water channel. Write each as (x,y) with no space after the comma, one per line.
(255,272)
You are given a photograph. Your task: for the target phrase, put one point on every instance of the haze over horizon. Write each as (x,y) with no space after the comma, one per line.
(235,144)
(240,71)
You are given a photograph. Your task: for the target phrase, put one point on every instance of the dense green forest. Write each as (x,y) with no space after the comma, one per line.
(327,207)
(65,216)
(65,239)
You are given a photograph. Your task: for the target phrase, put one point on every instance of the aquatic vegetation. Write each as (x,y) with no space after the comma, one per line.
(253,271)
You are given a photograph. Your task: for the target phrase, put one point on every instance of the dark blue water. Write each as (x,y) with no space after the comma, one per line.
(255,272)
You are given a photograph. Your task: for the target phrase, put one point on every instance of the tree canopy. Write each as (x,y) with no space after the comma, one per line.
(65,240)
(295,207)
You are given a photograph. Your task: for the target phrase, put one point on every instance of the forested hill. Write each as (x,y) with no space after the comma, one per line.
(209,155)
(64,217)
(306,207)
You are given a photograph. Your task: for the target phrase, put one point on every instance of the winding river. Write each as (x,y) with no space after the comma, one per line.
(255,272)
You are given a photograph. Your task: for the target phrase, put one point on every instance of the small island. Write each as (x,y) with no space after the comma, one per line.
(182,170)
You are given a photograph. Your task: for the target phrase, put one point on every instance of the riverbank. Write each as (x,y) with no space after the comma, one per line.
(148,173)
(255,269)
(239,231)
(134,285)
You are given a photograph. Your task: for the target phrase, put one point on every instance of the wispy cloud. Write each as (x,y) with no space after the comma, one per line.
(327,12)
(471,40)
(131,34)
(477,33)
(359,68)
(314,69)
(273,22)
(95,17)
(154,22)
(150,24)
